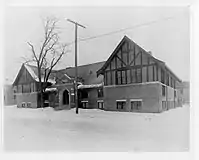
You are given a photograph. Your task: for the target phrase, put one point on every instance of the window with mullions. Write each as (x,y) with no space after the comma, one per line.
(85,104)
(118,77)
(175,93)
(108,78)
(123,77)
(163,90)
(14,94)
(139,76)
(133,74)
(171,82)
(162,76)
(100,104)
(164,105)
(136,105)
(167,83)
(120,104)
(19,89)
(113,77)
(128,72)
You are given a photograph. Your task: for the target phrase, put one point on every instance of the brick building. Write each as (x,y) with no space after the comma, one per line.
(130,80)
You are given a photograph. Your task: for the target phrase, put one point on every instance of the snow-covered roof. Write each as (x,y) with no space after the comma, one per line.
(90,86)
(30,70)
(34,75)
(51,89)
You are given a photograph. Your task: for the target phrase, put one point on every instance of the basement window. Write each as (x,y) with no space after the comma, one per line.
(100,104)
(84,104)
(136,104)
(120,104)
(23,104)
(29,104)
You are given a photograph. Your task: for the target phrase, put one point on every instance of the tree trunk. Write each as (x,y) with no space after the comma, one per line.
(41,96)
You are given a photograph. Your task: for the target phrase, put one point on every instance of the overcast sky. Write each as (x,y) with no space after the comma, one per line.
(168,40)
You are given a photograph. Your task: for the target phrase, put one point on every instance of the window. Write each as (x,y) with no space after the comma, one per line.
(108,78)
(150,72)
(100,104)
(118,77)
(19,88)
(29,104)
(14,94)
(26,88)
(154,73)
(113,77)
(163,90)
(128,72)
(164,105)
(105,78)
(170,82)
(84,104)
(32,87)
(139,76)
(162,76)
(23,104)
(100,92)
(144,74)
(121,104)
(136,104)
(174,93)
(133,74)
(22,90)
(167,80)
(123,77)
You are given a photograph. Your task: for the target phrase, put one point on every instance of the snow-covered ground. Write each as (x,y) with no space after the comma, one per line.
(95,130)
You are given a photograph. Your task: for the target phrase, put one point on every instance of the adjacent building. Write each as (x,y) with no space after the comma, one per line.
(9,95)
(26,86)
(132,80)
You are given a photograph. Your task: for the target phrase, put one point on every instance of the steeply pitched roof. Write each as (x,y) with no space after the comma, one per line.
(126,39)
(34,73)
(87,73)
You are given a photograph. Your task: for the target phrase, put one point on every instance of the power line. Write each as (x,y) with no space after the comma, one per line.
(121,30)
(124,29)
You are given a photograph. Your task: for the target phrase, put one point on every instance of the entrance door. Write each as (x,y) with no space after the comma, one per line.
(65,97)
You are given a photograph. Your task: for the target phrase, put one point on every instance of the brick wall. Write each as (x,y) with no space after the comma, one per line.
(27,97)
(148,92)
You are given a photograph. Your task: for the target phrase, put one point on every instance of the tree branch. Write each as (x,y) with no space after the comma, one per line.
(33,51)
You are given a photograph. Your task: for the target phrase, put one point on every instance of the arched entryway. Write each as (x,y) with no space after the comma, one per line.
(65,97)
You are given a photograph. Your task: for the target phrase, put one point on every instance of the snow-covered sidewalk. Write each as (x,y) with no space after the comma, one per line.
(95,130)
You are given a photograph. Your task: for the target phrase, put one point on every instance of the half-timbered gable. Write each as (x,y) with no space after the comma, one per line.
(25,83)
(129,63)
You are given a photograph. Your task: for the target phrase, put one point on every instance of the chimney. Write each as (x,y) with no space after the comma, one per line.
(149,52)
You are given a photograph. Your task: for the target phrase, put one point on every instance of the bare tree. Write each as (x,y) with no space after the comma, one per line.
(48,55)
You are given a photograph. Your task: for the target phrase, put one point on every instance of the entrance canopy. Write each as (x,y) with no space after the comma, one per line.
(90,86)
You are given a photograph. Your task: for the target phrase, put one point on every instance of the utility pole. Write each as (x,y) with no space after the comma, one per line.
(76,71)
